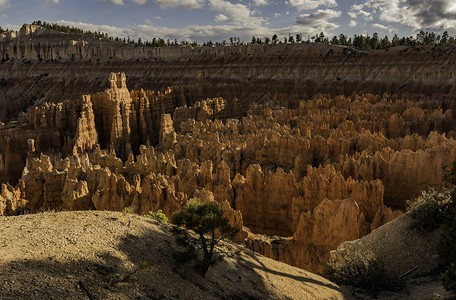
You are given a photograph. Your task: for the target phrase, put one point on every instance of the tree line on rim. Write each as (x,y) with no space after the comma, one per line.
(362,42)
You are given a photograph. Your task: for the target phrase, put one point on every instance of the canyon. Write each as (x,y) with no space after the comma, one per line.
(40,65)
(304,146)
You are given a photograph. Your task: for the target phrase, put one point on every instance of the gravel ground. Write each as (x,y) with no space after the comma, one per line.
(78,255)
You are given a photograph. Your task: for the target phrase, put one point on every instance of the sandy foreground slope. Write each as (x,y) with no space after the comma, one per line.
(78,255)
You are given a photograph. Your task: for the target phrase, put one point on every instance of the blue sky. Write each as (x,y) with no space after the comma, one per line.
(216,20)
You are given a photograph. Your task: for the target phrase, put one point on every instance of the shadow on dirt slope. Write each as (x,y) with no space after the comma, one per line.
(134,260)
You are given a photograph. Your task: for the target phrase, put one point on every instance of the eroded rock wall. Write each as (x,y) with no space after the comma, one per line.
(40,65)
(115,119)
(61,128)
(300,181)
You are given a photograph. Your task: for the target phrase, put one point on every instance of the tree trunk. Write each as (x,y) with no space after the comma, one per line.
(204,265)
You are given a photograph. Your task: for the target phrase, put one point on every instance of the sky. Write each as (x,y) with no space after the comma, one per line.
(217,20)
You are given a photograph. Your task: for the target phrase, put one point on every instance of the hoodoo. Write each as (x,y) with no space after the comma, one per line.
(304,146)
(311,177)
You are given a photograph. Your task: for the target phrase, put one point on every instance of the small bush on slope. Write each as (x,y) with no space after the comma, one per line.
(433,210)
(430,210)
(207,221)
(158,216)
(447,257)
(362,271)
(128,211)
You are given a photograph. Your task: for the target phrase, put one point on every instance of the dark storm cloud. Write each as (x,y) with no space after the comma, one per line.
(431,14)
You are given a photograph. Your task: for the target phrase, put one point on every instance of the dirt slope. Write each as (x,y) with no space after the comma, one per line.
(44,256)
(400,250)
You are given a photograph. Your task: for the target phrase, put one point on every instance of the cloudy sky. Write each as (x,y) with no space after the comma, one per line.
(216,20)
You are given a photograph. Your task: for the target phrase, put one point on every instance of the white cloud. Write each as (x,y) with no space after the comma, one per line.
(312,4)
(213,32)
(435,15)
(352,14)
(53,1)
(189,4)
(276,15)
(11,27)
(117,2)
(352,23)
(140,2)
(451,7)
(318,21)
(221,18)
(237,13)
(260,2)
(367,16)
(380,26)
(4,3)
(383,27)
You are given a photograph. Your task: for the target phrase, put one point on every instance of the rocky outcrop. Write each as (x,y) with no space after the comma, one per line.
(351,134)
(298,180)
(273,203)
(60,128)
(102,181)
(11,200)
(209,109)
(115,119)
(155,181)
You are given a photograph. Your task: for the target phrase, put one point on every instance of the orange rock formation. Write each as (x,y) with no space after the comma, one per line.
(299,180)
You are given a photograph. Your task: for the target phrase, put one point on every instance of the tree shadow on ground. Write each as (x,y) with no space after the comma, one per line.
(259,265)
(141,266)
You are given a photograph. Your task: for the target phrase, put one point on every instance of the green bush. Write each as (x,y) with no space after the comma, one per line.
(362,271)
(449,278)
(207,221)
(449,175)
(431,210)
(158,216)
(446,250)
(128,210)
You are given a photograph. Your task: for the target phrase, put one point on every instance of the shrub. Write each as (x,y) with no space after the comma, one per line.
(449,175)
(430,210)
(362,271)
(207,221)
(447,257)
(128,210)
(158,216)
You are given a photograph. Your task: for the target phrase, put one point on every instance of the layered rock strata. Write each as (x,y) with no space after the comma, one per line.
(41,65)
